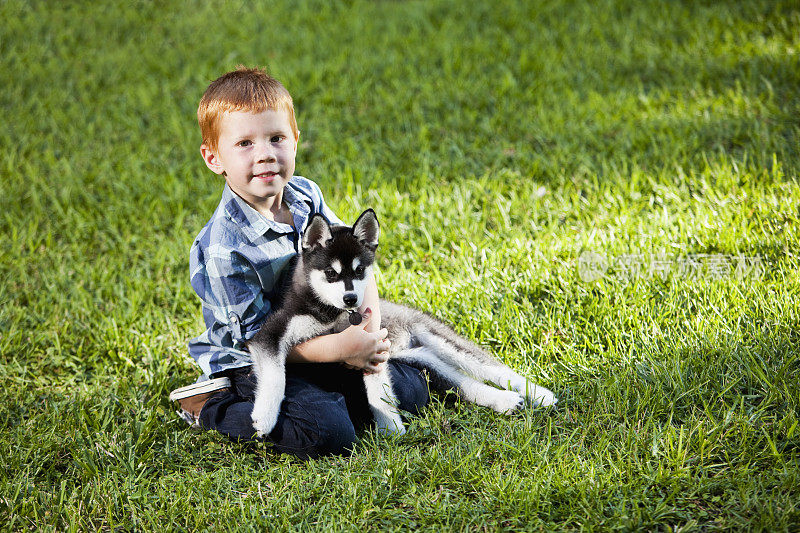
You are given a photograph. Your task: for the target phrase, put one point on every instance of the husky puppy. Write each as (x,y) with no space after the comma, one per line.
(326,288)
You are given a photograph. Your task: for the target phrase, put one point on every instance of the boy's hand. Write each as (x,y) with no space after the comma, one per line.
(364,350)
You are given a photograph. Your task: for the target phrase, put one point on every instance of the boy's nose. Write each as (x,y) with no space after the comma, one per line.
(266,155)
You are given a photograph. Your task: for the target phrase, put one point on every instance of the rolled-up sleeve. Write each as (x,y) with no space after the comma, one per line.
(233,308)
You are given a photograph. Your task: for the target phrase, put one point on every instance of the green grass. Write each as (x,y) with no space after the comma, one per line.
(497,141)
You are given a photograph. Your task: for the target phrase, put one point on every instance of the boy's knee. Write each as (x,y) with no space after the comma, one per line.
(410,386)
(335,437)
(312,430)
(419,394)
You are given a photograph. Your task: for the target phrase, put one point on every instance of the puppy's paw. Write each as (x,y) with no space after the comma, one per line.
(388,423)
(539,396)
(263,421)
(395,429)
(507,401)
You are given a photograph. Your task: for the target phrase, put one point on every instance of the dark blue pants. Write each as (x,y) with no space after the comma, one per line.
(325,405)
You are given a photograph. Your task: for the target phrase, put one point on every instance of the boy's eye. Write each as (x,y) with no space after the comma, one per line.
(330,274)
(245,142)
(276,139)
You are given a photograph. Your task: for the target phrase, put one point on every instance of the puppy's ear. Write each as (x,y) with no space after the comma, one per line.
(366,228)
(317,233)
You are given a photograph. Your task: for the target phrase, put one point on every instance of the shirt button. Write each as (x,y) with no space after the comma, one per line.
(233,318)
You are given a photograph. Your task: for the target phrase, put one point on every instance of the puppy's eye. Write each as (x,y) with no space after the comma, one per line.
(330,274)
(359,271)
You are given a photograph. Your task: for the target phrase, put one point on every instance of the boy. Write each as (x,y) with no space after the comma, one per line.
(238,265)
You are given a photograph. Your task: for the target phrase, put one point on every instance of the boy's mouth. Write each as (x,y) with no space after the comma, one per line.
(266,176)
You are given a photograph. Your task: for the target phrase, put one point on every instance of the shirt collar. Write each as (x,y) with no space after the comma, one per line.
(254,224)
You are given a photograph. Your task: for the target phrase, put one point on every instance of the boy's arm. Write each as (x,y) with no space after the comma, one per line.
(355,346)
(372,301)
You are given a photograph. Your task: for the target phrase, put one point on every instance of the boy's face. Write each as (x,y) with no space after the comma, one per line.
(256,153)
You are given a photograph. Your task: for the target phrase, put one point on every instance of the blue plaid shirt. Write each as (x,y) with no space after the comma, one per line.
(236,263)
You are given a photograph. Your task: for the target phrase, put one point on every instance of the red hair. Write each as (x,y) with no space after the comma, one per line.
(243,89)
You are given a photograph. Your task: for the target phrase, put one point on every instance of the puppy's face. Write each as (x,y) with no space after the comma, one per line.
(338,260)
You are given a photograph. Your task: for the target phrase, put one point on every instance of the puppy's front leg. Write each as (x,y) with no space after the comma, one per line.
(383,402)
(270,389)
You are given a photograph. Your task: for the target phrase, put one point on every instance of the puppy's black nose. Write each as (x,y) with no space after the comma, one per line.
(350,299)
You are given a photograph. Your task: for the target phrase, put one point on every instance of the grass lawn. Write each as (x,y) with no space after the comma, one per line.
(502,144)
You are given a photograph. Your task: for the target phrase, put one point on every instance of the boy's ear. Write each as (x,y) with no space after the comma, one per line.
(366,229)
(211,159)
(317,233)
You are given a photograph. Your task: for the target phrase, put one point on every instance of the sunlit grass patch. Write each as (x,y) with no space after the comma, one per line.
(498,143)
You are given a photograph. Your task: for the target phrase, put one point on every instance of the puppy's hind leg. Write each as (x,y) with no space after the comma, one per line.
(536,394)
(502,401)
(476,362)
(383,402)
(502,376)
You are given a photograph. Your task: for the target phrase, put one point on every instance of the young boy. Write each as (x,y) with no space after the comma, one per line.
(238,267)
